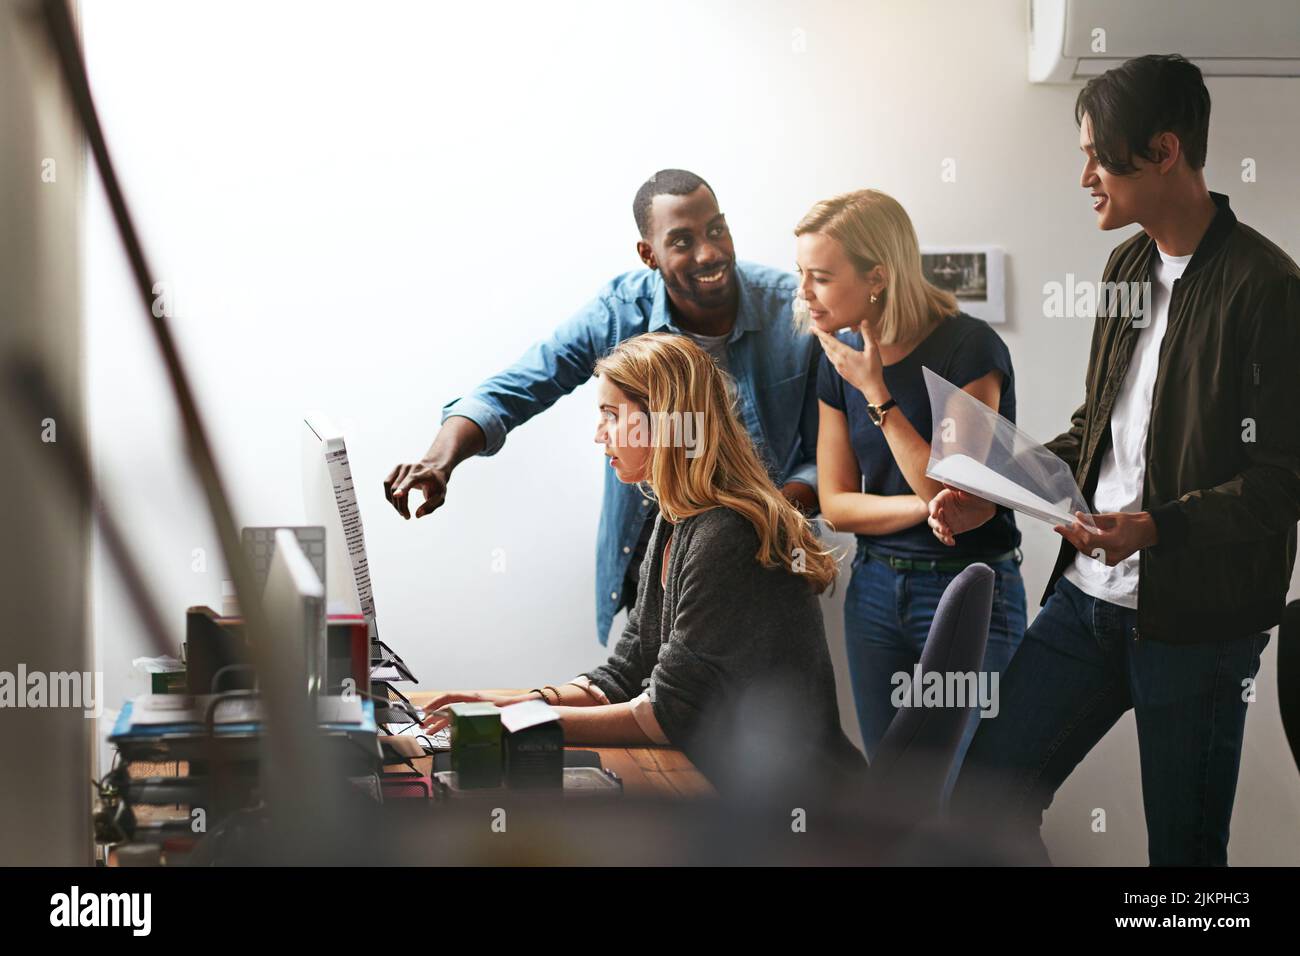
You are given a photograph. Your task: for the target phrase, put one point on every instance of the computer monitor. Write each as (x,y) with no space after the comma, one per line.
(295,608)
(330,500)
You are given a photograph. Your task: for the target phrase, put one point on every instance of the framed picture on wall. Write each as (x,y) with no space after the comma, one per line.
(974,274)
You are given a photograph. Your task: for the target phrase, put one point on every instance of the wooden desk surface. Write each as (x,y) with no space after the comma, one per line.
(645,771)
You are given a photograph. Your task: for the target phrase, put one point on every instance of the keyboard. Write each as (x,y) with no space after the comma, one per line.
(440,740)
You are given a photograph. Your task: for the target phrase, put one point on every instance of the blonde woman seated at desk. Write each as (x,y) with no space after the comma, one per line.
(725,645)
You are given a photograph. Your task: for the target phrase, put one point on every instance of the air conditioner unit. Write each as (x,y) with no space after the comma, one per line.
(1076,39)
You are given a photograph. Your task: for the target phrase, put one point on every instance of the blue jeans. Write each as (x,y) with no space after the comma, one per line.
(887,616)
(1080,667)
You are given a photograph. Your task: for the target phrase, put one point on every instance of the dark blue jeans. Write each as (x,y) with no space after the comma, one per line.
(1079,668)
(887,616)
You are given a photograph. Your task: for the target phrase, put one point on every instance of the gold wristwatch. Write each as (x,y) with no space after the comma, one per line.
(877,412)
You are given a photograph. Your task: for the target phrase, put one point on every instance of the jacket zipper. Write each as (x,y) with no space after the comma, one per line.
(1160,351)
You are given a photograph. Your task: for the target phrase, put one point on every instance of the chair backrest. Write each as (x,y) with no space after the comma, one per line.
(916,752)
(1288,676)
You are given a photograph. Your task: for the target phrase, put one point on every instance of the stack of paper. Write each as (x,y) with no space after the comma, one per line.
(964,472)
(975,449)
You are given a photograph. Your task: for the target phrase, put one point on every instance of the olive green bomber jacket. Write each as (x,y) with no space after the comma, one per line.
(1222,479)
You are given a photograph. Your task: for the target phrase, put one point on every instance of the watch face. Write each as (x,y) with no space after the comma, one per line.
(877,412)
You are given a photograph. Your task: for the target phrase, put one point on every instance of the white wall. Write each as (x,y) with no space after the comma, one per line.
(367,208)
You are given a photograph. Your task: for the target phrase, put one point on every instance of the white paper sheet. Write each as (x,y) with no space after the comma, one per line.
(964,472)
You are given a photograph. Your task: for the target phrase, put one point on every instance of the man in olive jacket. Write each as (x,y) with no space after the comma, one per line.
(1188,448)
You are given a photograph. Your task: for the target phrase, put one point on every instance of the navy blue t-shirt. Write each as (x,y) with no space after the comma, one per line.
(961,349)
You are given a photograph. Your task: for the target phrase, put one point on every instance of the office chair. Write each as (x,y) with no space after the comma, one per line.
(917,751)
(1288,676)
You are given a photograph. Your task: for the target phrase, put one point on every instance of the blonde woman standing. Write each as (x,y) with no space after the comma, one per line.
(860,274)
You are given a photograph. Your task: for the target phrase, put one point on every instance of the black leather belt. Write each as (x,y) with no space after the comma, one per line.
(936,564)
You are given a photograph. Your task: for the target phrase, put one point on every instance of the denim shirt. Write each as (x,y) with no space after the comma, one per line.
(773,365)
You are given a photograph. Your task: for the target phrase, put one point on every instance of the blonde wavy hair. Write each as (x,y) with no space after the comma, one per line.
(671,375)
(874,229)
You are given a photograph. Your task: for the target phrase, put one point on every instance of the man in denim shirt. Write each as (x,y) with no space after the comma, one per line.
(692,285)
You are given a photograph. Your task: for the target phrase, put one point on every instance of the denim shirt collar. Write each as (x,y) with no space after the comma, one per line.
(746,319)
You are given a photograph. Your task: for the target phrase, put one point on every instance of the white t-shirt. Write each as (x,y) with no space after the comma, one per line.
(1124,465)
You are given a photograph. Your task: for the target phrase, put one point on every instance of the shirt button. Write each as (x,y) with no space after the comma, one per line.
(614,595)
(645,502)
(627,550)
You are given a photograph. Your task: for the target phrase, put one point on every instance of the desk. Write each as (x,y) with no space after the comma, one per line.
(647,771)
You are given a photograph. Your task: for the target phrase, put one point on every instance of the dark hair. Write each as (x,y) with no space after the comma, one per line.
(671,182)
(1140,99)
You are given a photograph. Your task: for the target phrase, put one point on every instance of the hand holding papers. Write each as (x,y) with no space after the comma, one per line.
(965,473)
(975,449)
